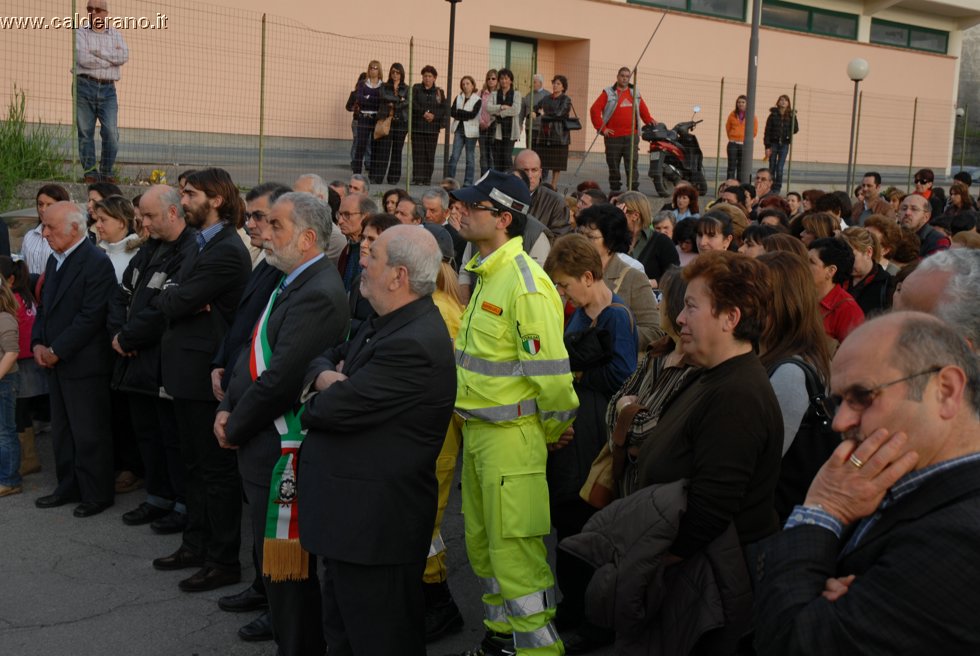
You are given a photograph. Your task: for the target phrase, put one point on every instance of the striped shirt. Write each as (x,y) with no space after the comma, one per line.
(100,54)
(34,250)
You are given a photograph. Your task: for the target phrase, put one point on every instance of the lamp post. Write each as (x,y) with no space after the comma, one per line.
(961,112)
(449,84)
(857,70)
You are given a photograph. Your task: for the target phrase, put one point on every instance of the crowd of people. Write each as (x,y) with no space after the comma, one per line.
(747,401)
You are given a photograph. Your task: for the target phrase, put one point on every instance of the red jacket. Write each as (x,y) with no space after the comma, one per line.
(841,313)
(621,121)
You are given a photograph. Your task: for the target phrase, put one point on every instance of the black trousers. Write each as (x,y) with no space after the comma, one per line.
(82,437)
(126,454)
(212,485)
(503,150)
(618,150)
(294,605)
(387,156)
(373,609)
(734,160)
(159,443)
(423,156)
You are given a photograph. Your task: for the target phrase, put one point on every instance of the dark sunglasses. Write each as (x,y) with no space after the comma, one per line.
(860,398)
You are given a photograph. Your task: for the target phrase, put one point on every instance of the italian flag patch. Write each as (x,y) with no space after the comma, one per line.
(531,343)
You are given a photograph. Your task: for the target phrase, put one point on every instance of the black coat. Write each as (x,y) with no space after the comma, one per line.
(778,128)
(199,304)
(367,466)
(308,317)
(71,317)
(428,100)
(396,99)
(134,319)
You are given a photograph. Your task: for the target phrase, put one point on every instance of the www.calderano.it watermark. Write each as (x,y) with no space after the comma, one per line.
(80,21)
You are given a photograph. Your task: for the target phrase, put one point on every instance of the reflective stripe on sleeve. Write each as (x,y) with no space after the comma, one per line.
(494,613)
(543,637)
(437,546)
(558,415)
(501,413)
(526,273)
(510,368)
(490,585)
(531,604)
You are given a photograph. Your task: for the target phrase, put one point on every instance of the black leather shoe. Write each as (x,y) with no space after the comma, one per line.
(172,522)
(246,601)
(144,514)
(180,559)
(441,619)
(258,630)
(210,578)
(584,642)
(89,508)
(54,500)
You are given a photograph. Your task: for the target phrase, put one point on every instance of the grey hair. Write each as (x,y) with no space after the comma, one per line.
(318,187)
(362,178)
(77,216)
(365,204)
(925,342)
(170,197)
(439,193)
(309,213)
(419,253)
(664,215)
(539,78)
(959,305)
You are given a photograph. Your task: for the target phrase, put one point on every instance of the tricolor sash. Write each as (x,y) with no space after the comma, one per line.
(283,559)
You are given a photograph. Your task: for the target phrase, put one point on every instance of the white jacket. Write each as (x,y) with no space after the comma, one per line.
(498,111)
(471,128)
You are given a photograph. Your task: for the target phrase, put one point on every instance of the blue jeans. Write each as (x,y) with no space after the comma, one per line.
(777,160)
(459,141)
(9,442)
(97,101)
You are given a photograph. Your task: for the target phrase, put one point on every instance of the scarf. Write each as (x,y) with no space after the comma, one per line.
(283,558)
(506,122)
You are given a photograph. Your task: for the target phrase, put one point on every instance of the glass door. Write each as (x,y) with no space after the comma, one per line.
(520,55)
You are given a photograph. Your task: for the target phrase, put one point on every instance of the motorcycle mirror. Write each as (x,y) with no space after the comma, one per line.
(697,108)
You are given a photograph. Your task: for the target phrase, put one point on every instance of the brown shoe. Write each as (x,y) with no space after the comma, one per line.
(180,559)
(210,578)
(127,481)
(7,490)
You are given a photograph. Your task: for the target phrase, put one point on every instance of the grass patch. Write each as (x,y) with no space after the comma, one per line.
(28,151)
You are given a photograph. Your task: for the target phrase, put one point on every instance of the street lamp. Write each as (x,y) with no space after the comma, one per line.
(962,112)
(449,84)
(857,70)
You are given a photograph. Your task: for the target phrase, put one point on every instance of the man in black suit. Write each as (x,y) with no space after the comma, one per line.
(304,315)
(199,304)
(261,282)
(376,423)
(71,341)
(881,558)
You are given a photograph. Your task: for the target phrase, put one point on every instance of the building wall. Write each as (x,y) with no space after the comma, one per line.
(203,73)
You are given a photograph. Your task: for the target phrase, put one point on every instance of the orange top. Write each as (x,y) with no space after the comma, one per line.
(735,127)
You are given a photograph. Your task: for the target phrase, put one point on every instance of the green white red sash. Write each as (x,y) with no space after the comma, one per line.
(283,559)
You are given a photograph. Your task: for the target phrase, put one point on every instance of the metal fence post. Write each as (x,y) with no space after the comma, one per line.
(411,97)
(262,102)
(635,121)
(721,112)
(74,95)
(915,113)
(966,127)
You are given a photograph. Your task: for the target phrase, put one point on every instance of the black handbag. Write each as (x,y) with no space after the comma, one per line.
(573,122)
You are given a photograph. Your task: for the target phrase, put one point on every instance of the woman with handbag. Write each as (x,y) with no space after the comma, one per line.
(368,99)
(553,111)
(394,104)
(601,341)
(466,131)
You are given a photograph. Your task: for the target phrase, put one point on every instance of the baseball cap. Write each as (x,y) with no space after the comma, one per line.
(444,240)
(505,191)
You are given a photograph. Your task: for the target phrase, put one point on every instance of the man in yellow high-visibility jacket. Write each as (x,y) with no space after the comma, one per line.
(515,394)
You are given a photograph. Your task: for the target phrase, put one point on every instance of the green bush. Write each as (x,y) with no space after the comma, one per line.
(27,151)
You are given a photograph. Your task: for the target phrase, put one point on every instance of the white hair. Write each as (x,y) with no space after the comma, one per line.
(417,251)
(318,187)
(309,213)
(959,305)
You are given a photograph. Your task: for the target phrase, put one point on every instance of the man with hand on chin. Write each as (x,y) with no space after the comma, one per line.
(880,558)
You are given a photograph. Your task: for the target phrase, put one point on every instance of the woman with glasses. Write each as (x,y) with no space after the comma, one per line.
(796,352)
(367,96)
(394,102)
(605,226)
(486,135)
(654,250)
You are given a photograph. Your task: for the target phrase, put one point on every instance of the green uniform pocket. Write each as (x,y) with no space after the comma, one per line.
(524,509)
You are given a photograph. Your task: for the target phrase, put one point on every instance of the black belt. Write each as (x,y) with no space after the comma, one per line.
(96,80)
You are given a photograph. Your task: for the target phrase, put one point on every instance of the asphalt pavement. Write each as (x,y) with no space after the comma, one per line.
(85,587)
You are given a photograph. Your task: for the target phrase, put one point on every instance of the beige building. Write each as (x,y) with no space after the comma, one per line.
(226,70)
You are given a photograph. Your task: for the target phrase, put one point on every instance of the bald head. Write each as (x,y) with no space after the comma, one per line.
(162,213)
(529,162)
(921,290)
(98,10)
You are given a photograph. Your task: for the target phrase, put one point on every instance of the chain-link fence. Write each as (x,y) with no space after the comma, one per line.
(264,97)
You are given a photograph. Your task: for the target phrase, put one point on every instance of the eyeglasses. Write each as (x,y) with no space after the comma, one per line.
(762,179)
(476,207)
(347,215)
(96,10)
(860,398)
(911,208)
(374,68)
(257,216)
(921,181)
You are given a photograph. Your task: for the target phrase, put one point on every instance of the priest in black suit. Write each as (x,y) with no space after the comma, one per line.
(70,339)
(377,420)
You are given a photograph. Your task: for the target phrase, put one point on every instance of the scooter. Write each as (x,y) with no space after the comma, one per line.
(675,155)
